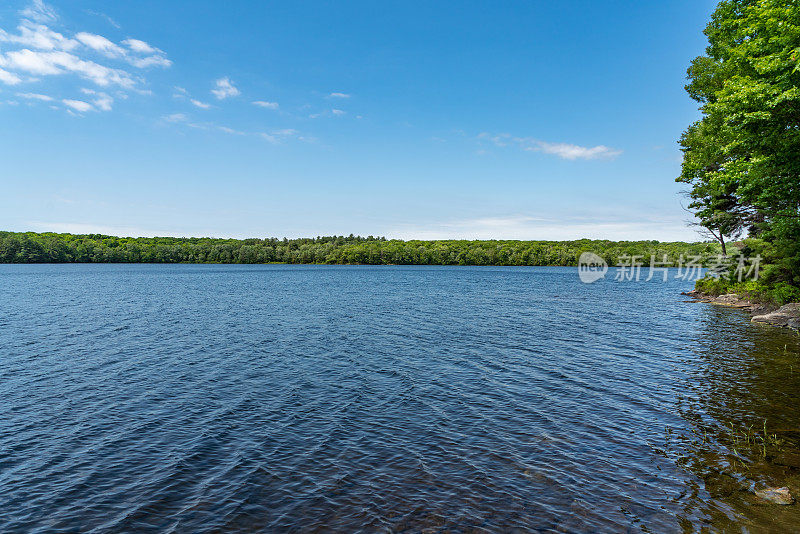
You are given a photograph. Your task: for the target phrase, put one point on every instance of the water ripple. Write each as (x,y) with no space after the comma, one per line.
(183,398)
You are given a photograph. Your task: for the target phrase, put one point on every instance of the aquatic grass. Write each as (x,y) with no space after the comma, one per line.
(759,443)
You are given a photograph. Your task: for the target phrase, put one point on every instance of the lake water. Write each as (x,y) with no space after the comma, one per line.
(199,398)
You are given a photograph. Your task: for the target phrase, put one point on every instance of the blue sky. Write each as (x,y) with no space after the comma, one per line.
(505,120)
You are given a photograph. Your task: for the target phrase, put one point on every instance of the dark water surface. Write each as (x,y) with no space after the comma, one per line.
(189,398)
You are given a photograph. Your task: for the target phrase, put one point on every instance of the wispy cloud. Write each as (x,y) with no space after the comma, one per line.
(40,12)
(140,47)
(50,63)
(278,136)
(9,78)
(38,36)
(562,150)
(78,105)
(339,95)
(265,104)
(328,113)
(634,227)
(35,96)
(101,100)
(569,151)
(225,89)
(100,44)
(137,53)
(103,16)
(183,94)
(37,51)
(176,117)
(229,130)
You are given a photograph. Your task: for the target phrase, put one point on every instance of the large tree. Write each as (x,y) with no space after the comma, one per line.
(742,158)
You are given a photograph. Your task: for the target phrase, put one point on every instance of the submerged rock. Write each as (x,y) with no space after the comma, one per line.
(775,495)
(783,316)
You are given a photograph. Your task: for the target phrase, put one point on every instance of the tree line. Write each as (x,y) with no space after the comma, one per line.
(741,159)
(30,247)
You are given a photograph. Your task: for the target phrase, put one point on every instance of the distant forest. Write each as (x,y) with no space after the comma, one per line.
(30,247)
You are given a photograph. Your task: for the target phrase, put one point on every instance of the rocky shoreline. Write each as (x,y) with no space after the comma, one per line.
(787,316)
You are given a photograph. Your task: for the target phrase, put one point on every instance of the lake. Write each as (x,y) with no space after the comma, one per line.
(199,398)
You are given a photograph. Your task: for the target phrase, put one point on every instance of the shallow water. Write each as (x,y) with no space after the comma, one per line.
(197,398)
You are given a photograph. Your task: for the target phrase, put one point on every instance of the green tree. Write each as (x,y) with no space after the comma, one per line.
(742,158)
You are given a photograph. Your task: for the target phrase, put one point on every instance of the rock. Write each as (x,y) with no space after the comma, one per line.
(780,317)
(775,495)
(794,324)
(731,300)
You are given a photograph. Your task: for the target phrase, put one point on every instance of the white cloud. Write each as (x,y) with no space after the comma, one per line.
(568,151)
(264,104)
(101,100)
(50,63)
(78,105)
(156,57)
(229,130)
(276,136)
(33,62)
(35,96)
(225,89)
(39,12)
(38,51)
(199,104)
(38,36)
(561,150)
(328,113)
(9,78)
(140,47)
(339,95)
(176,117)
(149,61)
(113,50)
(100,44)
(104,17)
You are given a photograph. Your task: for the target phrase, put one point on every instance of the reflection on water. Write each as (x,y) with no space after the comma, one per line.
(744,408)
(206,398)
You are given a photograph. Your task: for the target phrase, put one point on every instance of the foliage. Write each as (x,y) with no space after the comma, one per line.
(32,247)
(778,293)
(742,158)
